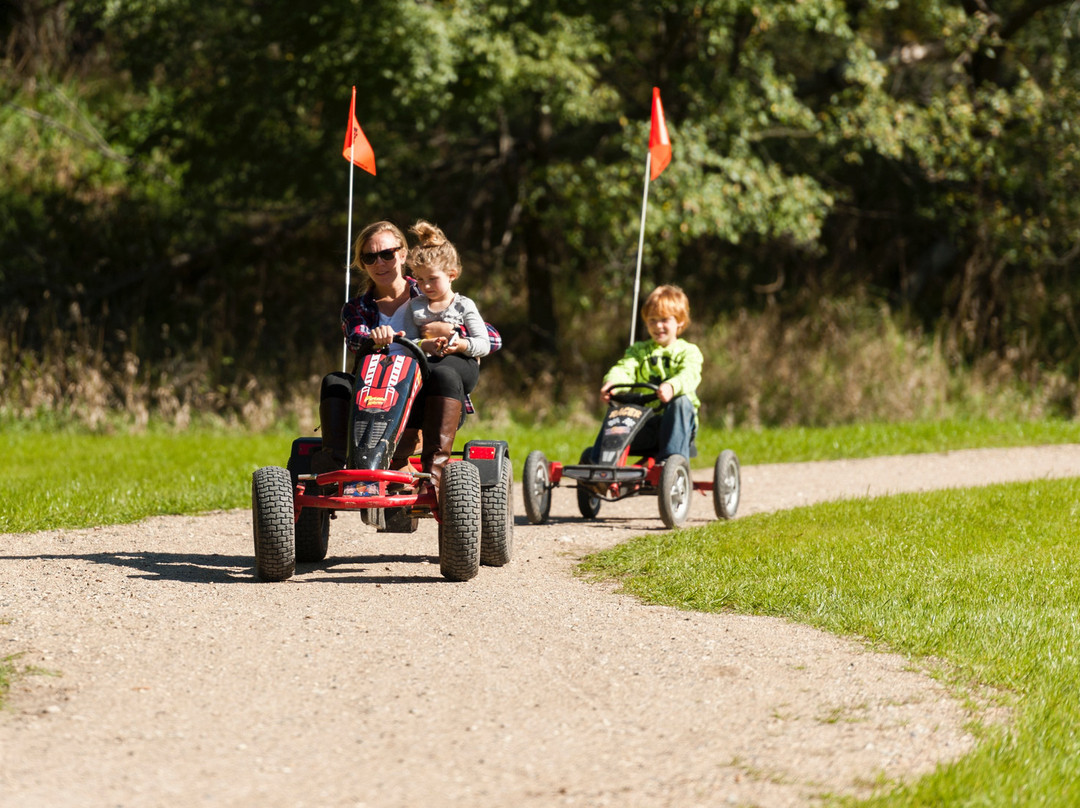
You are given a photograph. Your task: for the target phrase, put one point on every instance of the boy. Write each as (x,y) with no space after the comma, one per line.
(669,362)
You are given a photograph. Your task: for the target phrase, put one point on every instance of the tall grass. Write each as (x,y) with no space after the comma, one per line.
(981,579)
(849,361)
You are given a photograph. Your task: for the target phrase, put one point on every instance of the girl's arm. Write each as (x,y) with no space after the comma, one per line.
(477,343)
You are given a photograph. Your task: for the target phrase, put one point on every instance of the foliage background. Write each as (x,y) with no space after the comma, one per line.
(872,204)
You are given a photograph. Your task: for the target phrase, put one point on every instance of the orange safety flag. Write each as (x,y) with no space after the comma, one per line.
(357,150)
(659,142)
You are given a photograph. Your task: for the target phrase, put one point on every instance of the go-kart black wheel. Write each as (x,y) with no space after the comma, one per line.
(313,526)
(676,487)
(272,523)
(497,520)
(726,485)
(397,520)
(587,502)
(536,487)
(312,532)
(459,528)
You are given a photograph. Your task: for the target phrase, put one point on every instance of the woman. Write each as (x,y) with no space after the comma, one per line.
(378,313)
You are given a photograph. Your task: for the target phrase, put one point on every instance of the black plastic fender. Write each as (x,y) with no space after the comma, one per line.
(488,456)
(300,455)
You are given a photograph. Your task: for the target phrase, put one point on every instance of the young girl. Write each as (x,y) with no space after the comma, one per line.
(455,365)
(434,265)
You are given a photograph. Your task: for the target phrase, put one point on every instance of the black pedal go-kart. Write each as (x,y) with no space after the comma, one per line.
(610,477)
(292,507)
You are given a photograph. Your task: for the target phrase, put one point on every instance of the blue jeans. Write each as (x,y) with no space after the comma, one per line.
(670,431)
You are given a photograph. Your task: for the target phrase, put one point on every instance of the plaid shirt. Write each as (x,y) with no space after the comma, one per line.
(361,314)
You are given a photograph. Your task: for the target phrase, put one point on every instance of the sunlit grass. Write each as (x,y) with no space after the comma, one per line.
(55,480)
(983,579)
(67,478)
(564,441)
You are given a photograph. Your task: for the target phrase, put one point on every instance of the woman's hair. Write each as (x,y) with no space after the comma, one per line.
(365,236)
(433,249)
(668,301)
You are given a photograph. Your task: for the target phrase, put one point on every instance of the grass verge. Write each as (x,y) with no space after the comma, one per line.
(68,479)
(563,441)
(982,578)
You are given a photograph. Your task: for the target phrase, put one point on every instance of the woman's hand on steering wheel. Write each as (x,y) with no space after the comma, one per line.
(383,335)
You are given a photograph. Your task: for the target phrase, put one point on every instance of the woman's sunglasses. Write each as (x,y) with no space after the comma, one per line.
(385,255)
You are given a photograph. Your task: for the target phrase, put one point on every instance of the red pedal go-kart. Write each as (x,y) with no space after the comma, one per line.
(609,477)
(292,507)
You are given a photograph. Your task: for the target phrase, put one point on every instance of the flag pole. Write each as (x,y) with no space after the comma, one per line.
(640,245)
(348,257)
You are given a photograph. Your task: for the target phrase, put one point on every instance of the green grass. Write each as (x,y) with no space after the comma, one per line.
(983,579)
(564,441)
(66,479)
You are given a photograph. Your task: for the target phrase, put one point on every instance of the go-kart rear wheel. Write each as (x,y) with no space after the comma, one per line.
(312,535)
(588,503)
(312,531)
(676,487)
(313,526)
(397,520)
(536,487)
(726,485)
(272,523)
(459,526)
(497,520)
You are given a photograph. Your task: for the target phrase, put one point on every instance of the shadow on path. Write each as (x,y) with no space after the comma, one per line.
(215,568)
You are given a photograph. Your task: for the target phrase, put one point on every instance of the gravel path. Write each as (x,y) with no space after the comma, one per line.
(173,678)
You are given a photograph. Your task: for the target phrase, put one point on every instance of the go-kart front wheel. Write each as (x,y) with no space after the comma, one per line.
(676,487)
(536,487)
(726,485)
(272,523)
(588,504)
(459,525)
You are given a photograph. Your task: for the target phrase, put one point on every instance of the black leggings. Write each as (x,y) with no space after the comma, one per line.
(451,376)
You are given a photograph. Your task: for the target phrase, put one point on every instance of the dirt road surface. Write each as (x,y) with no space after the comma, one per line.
(168,676)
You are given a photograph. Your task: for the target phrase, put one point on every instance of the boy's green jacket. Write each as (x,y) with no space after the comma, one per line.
(679,365)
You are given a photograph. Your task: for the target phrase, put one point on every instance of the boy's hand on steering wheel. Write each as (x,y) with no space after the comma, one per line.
(665,392)
(605,392)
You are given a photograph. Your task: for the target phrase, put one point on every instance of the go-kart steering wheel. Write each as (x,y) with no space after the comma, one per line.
(367,346)
(626,394)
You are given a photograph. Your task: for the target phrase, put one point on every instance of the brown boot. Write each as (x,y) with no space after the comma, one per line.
(441,418)
(334,415)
